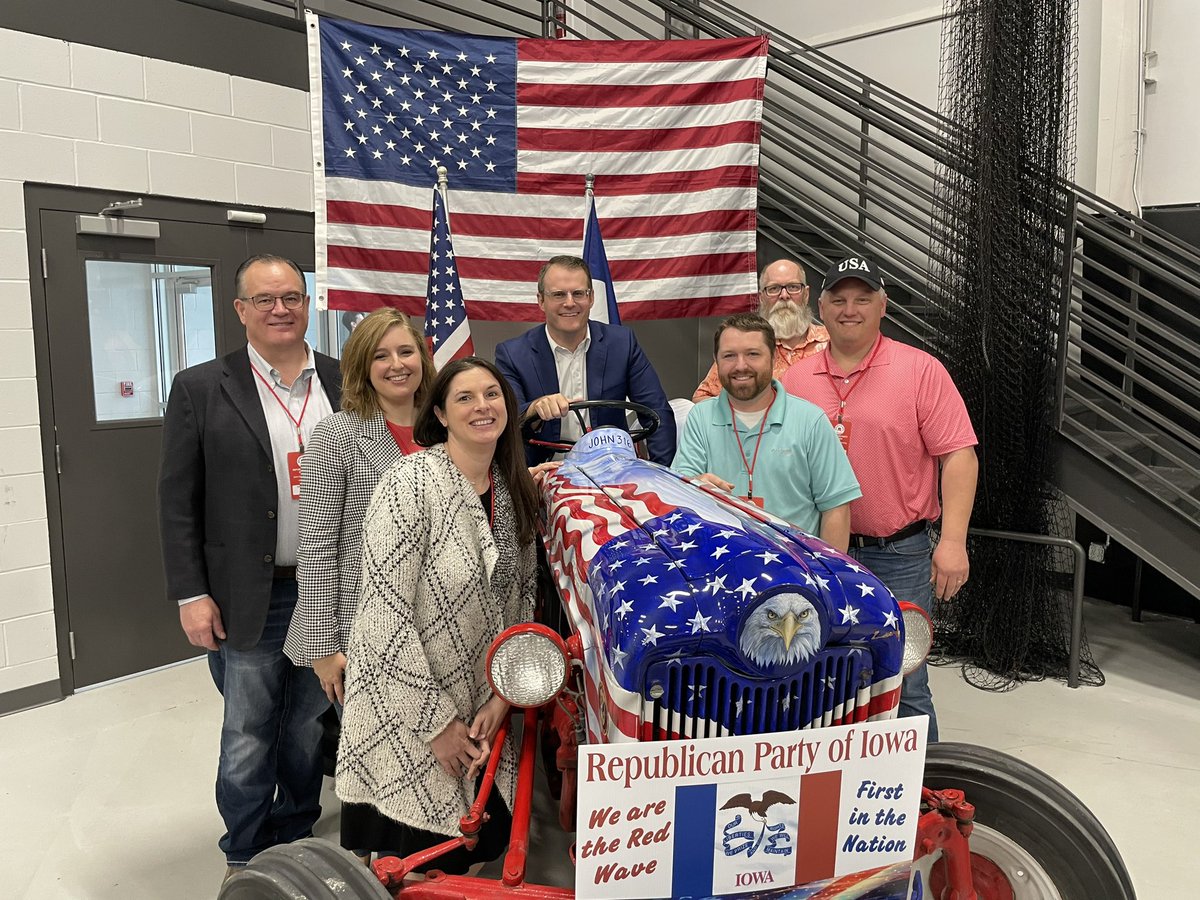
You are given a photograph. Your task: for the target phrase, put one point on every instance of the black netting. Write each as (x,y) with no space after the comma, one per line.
(998,239)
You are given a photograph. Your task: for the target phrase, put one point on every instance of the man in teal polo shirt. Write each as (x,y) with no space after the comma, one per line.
(760,442)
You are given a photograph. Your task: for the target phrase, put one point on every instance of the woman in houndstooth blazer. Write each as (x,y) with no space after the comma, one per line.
(386,372)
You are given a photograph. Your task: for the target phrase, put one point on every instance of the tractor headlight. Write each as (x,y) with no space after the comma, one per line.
(918,636)
(527,665)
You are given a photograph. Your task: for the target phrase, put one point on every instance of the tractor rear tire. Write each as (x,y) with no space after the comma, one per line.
(1046,842)
(312,868)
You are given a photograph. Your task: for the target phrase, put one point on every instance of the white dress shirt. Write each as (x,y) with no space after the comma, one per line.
(572,382)
(274,394)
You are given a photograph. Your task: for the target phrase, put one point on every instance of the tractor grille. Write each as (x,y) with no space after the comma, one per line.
(704,698)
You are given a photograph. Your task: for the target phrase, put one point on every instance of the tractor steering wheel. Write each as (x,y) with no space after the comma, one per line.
(577,407)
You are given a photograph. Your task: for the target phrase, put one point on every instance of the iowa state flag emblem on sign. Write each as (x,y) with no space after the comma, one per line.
(822,809)
(756,830)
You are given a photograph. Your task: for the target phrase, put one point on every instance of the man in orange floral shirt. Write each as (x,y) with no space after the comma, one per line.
(782,301)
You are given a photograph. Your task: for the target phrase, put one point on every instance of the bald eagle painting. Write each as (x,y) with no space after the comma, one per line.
(784,630)
(757,808)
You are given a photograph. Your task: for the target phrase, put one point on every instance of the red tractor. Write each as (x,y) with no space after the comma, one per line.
(688,614)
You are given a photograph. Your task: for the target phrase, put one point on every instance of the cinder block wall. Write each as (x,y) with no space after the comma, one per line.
(71,114)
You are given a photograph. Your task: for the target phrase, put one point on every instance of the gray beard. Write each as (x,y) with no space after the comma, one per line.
(790,320)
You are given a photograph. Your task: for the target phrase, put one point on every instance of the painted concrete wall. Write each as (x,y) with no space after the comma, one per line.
(77,115)
(898,42)
(1169,171)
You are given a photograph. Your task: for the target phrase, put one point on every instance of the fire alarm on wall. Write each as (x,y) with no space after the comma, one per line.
(126,388)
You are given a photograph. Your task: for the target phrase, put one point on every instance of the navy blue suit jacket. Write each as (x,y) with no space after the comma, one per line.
(616,369)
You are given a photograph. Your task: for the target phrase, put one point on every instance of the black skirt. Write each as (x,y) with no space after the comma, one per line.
(366,828)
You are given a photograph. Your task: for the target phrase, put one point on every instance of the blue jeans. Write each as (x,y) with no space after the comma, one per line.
(904,566)
(269,774)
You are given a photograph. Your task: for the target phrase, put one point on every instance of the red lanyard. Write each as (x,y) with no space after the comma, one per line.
(862,373)
(761,425)
(303,409)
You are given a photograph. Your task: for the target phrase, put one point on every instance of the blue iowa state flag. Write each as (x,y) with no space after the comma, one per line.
(604,307)
(762,834)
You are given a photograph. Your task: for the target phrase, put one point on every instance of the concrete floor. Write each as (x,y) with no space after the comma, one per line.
(109,794)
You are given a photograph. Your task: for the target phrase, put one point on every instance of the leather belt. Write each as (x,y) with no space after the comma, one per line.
(867,540)
(285,573)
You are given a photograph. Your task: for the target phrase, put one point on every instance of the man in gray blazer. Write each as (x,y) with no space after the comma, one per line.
(228,499)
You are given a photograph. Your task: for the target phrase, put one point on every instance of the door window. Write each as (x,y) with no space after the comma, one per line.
(329,329)
(146,321)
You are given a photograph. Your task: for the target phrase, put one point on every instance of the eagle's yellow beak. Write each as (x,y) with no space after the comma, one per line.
(786,628)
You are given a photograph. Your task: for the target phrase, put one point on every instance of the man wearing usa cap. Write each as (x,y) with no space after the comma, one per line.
(906,430)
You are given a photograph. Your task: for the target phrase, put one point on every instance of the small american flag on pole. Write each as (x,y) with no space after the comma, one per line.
(446,325)
(670,129)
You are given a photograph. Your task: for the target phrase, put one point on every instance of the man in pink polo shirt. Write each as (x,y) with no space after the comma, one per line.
(906,430)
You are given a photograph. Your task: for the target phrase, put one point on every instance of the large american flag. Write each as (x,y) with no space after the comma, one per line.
(669,128)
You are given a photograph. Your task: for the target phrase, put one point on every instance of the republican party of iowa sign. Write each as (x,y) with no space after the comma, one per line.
(724,816)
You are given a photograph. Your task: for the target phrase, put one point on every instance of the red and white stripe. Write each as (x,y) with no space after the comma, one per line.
(456,346)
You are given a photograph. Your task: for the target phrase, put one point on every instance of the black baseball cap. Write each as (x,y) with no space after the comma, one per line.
(853,267)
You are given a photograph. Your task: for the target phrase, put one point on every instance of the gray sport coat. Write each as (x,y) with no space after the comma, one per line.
(217,494)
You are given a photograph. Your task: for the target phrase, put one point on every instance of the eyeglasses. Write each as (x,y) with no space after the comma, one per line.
(264,302)
(561,296)
(773,290)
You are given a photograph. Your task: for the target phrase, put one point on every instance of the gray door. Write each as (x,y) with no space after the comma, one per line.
(123,315)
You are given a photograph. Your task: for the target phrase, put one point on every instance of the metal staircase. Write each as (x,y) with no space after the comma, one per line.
(1129,387)
(849,165)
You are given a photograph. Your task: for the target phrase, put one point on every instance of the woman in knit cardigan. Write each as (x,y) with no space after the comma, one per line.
(448,563)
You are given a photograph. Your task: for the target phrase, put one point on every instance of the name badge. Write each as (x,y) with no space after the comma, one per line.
(757,501)
(293,464)
(842,430)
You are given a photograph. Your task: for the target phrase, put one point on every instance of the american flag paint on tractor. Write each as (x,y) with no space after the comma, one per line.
(669,128)
(701,615)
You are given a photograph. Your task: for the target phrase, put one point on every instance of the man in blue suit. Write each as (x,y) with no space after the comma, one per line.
(572,358)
